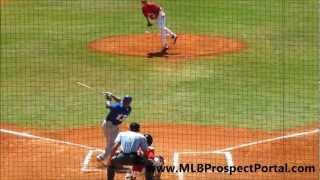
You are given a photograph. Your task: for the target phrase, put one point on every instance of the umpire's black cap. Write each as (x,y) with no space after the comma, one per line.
(134,126)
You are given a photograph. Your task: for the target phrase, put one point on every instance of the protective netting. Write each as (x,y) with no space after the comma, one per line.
(217,83)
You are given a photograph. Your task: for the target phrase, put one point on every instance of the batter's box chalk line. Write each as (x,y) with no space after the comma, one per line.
(227,151)
(85,164)
(86,161)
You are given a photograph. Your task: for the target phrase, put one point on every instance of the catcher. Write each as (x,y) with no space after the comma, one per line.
(119,111)
(150,154)
(151,12)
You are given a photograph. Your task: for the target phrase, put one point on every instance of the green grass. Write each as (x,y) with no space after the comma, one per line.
(271,85)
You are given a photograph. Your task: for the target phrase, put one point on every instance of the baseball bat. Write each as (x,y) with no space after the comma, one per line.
(91,88)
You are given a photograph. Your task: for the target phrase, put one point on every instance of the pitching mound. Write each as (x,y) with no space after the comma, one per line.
(149,45)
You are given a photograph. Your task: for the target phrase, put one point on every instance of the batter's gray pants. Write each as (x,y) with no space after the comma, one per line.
(110,132)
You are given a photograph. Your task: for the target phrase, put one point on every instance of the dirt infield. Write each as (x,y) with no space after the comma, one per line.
(29,157)
(148,45)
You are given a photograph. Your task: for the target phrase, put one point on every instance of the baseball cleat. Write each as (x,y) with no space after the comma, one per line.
(175,37)
(99,158)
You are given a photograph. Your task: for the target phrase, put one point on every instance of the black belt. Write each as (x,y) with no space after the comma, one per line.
(116,124)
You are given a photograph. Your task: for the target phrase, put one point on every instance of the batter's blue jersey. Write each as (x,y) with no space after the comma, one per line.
(117,112)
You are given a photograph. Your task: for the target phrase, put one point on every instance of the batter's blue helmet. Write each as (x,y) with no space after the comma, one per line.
(127,99)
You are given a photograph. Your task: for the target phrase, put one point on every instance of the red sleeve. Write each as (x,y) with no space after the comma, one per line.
(150,154)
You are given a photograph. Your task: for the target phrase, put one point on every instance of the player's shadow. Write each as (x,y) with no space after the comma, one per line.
(157,54)
(161,54)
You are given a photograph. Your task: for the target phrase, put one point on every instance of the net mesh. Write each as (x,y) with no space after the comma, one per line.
(237,86)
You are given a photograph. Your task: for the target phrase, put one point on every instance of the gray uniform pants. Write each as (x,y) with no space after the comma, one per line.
(110,132)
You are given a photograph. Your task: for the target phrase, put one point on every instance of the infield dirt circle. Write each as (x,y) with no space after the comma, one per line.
(149,45)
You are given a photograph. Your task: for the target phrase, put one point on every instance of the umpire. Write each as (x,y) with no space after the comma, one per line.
(130,141)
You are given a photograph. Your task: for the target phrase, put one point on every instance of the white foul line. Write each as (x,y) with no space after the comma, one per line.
(227,153)
(26,135)
(86,159)
(255,143)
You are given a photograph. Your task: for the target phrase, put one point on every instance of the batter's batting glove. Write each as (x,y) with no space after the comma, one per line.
(107,95)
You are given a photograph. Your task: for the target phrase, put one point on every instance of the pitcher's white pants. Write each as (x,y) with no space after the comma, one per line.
(164,31)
